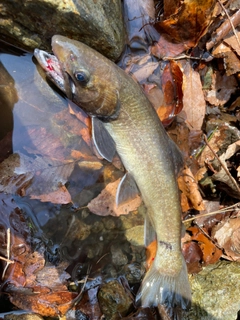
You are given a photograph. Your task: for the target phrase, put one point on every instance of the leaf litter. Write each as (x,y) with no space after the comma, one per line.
(194,94)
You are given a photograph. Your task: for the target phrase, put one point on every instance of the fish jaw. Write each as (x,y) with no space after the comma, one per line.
(50,65)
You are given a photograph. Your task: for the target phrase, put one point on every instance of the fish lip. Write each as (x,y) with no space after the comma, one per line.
(51,66)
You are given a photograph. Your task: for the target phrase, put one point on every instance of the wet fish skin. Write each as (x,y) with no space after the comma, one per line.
(105,91)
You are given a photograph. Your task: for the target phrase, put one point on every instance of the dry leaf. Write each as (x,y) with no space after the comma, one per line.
(211,254)
(193,98)
(227,234)
(222,88)
(188,185)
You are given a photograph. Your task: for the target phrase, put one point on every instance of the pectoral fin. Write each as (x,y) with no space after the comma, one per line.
(127,189)
(104,143)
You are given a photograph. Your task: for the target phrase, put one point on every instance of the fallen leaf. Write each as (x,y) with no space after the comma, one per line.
(189,187)
(211,254)
(188,23)
(227,234)
(60,196)
(193,98)
(105,203)
(51,305)
(193,256)
(24,175)
(222,88)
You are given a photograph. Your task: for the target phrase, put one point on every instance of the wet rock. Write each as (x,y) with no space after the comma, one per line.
(133,272)
(31,24)
(118,256)
(135,235)
(216,292)
(23,316)
(114,300)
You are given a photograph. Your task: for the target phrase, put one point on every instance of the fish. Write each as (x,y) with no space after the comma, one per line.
(124,121)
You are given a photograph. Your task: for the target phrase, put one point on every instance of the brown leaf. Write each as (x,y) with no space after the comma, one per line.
(60,196)
(105,203)
(231,60)
(211,253)
(188,185)
(193,98)
(188,23)
(222,88)
(52,304)
(227,234)
(172,79)
(166,49)
(193,256)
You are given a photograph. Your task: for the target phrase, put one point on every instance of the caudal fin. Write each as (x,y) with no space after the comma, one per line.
(170,291)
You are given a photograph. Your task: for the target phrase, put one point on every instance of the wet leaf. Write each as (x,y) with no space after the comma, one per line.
(172,80)
(61,196)
(24,175)
(50,304)
(187,22)
(105,203)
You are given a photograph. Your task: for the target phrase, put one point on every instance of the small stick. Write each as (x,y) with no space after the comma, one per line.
(230,21)
(213,212)
(8,253)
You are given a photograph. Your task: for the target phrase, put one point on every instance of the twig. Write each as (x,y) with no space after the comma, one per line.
(222,164)
(213,212)
(8,253)
(230,21)
(224,29)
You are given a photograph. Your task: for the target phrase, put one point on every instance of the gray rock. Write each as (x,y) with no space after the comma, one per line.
(216,292)
(31,24)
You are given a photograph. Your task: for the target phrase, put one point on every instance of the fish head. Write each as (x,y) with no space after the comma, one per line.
(86,77)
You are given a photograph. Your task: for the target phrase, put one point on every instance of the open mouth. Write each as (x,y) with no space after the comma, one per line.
(50,64)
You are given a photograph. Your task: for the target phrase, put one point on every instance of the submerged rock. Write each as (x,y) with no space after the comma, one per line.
(31,24)
(114,300)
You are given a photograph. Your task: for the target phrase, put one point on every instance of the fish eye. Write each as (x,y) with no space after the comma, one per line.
(82,77)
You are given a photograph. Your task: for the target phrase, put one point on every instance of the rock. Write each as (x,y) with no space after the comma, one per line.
(23,316)
(216,292)
(31,24)
(114,300)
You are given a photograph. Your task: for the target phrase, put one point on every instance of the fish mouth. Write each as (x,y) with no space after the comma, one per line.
(50,64)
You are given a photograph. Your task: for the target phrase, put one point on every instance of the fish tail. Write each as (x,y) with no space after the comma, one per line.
(159,287)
